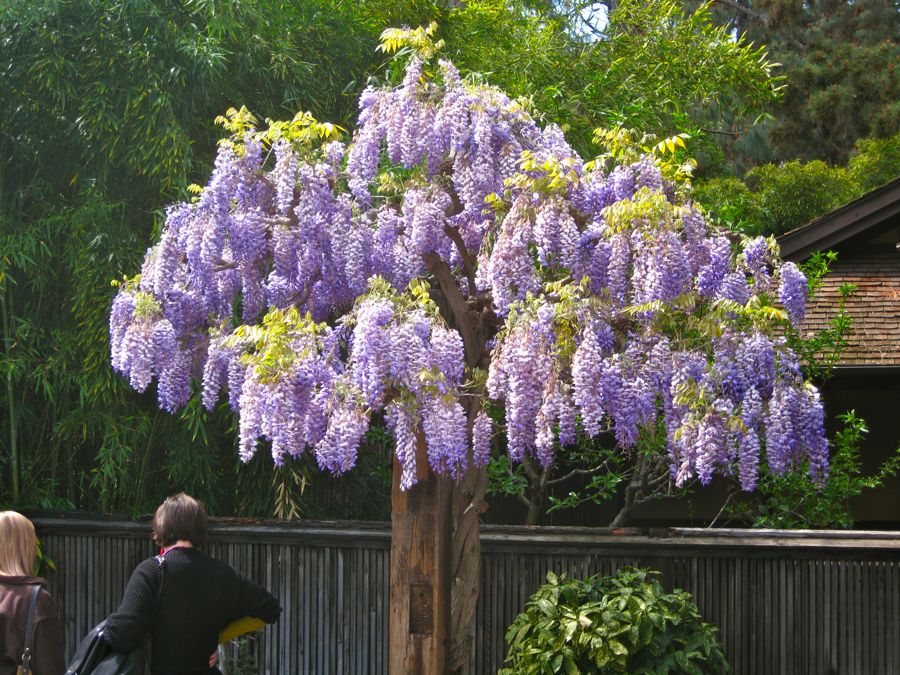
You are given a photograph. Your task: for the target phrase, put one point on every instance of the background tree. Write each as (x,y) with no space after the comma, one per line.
(773,199)
(457,253)
(839,58)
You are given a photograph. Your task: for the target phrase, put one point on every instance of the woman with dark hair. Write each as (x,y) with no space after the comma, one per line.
(18,552)
(183,598)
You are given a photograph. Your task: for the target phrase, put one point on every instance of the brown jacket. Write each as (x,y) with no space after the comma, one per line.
(47,643)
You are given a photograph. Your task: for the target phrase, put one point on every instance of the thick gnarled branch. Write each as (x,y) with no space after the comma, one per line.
(468,261)
(465,320)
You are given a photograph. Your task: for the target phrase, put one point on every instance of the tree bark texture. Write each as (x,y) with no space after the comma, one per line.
(465,565)
(419,579)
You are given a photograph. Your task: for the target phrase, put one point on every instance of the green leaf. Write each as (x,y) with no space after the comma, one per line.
(556,663)
(617,648)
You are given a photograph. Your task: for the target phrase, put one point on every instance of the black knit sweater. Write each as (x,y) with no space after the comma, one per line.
(200,596)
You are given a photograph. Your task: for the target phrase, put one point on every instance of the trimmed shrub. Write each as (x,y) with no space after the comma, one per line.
(624,623)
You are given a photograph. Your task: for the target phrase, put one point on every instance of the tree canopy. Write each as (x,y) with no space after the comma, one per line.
(773,199)
(457,253)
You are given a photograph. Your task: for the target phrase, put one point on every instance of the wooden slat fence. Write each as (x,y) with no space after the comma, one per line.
(785,602)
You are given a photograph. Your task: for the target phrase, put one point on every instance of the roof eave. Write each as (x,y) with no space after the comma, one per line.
(871,210)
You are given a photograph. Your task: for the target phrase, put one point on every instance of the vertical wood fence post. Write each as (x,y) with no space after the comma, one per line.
(419,584)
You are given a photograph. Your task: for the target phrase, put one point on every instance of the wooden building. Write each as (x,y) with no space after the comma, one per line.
(866,236)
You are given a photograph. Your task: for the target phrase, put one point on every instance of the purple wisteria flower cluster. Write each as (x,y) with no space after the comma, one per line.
(323,284)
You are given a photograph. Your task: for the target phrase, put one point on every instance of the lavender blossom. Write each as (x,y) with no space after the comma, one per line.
(587,366)
(337,450)
(792,292)
(444,424)
(482,430)
(402,425)
(174,388)
(370,350)
(757,257)
(447,352)
(713,272)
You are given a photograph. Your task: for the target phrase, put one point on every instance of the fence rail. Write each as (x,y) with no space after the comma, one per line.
(785,602)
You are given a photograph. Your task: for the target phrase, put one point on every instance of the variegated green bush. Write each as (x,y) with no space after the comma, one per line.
(623,623)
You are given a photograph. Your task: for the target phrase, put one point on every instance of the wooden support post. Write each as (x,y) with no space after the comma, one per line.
(420,588)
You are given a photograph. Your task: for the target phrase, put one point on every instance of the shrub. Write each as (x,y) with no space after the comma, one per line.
(730,201)
(794,193)
(876,162)
(624,623)
(773,199)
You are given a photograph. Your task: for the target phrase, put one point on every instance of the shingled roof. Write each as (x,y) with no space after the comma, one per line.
(866,234)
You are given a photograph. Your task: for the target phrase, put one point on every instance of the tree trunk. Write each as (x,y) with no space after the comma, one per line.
(465,565)
(537,496)
(535,511)
(467,495)
(631,492)
(419,581)
(621,519)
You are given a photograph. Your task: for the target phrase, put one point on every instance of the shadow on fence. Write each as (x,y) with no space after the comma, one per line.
(785,601)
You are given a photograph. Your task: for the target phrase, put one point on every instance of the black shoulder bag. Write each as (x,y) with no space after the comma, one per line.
(25,668)
(94,656)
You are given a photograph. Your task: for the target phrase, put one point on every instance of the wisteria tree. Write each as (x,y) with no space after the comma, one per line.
(459,272)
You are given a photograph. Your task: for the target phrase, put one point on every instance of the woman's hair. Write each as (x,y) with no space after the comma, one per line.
(18,545)
(180,517)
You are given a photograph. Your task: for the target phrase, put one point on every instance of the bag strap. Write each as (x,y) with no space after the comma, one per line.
(29,629)
(161,563)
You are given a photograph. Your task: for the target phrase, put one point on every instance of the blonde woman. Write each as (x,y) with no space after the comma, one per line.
(18,552)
